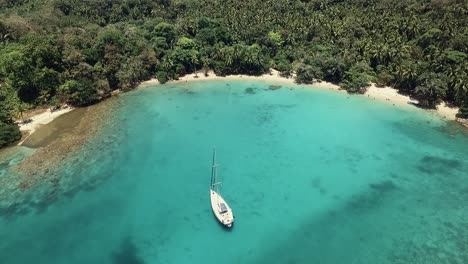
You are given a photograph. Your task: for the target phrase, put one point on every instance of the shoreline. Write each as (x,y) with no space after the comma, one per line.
(55,142)
(37,164)
(385,94)
(39,120)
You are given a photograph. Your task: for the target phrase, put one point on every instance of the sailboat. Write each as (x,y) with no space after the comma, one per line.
(221,209)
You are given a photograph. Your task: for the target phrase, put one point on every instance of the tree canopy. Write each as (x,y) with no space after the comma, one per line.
(77,52)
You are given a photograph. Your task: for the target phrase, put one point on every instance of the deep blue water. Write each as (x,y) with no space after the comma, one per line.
(313,176)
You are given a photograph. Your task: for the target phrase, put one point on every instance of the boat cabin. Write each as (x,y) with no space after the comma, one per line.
(222,208)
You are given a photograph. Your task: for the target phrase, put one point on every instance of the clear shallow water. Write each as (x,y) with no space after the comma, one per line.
(313,176)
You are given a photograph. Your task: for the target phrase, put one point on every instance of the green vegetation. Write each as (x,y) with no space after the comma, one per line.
(8,133)
(73,51)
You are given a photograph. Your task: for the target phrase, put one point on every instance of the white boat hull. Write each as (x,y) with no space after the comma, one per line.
(223,213)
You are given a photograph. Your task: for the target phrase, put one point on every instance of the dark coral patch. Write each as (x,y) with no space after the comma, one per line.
(383,186)
(274,87)
(188,91)
(437,165)
(127,253)
(249,90)
(442,161)
(372,198)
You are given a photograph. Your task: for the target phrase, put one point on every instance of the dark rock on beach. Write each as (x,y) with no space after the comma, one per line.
(463,122)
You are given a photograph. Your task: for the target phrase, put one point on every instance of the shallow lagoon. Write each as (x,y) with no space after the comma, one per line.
(313,176)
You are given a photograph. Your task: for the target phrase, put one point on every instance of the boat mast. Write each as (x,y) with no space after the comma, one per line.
(214,176)
(213,170)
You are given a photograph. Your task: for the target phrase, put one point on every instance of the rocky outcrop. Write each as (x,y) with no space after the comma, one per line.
(463,122)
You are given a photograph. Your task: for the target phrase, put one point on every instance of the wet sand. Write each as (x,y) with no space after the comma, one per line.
(60,127)
(39,117)
(59,139)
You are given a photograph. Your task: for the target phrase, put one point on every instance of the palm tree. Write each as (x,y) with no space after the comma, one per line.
(458,81)
(167,63)
(194,61)
(205,62)
(229,55)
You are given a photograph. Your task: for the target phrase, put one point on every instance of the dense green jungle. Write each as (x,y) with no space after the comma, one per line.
(77,52)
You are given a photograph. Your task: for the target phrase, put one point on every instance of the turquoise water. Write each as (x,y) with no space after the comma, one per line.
(313,176)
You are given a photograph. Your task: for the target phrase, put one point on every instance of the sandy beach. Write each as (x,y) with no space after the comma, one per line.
(68,132)
(54,142)
(391,95)
(384,94)
(41,119)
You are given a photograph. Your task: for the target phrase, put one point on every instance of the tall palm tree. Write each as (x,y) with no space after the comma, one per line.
(194,61)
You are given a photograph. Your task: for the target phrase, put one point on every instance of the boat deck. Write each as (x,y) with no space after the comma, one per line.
(221,209)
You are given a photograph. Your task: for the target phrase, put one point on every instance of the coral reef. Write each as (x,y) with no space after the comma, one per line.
(274,87)
(249,90)
(43,177)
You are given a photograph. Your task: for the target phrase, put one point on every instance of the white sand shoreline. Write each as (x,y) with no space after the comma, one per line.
(385,94)
(41,119)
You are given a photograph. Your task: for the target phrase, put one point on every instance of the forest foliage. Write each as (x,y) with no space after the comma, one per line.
(77,52)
